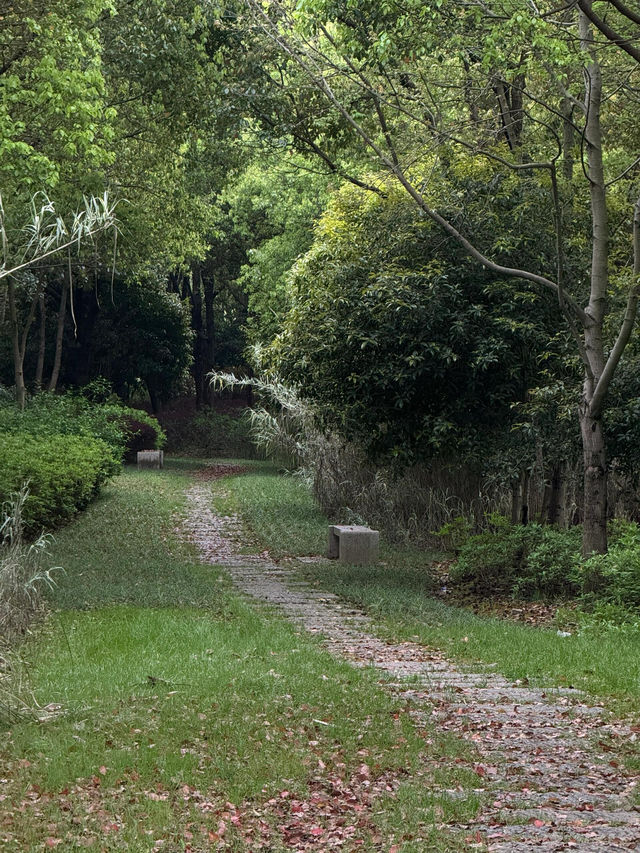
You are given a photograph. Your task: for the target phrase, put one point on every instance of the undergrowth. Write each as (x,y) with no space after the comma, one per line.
(23,570)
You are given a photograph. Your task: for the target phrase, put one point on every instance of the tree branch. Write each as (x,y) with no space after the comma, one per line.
(315,75)
(626,11)
(624,43)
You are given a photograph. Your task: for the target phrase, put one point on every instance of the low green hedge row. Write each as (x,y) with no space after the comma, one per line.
(65,446)
(124,429)
(63,472)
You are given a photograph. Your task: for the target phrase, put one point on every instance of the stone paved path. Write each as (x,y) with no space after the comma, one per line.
(552,784)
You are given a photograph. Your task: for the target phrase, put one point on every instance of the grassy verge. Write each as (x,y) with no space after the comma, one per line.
(396,593)
(175,716)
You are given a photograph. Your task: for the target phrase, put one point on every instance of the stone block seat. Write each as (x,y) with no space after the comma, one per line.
(353,543)
(150,458)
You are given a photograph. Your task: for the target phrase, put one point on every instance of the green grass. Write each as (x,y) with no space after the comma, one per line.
(286,520)
(168,704)
(396,593)
(283,517)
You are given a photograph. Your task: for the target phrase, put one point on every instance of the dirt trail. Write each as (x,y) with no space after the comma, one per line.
(542,756)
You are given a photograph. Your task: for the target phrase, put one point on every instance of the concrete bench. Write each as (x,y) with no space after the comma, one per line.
(150,458)
(353,543)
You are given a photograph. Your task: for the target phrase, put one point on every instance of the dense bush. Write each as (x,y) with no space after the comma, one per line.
(614,577)
(63,473)
(141,432)
(71,414)
(211,433)
(65,447)
(533,561)
(395,337)
(549,569)
(530,561)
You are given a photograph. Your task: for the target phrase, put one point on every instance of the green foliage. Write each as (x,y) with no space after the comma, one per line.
(141,431)
(534,561)
(525,560)
(601,619)
(65,447)
(400,343)
(141,336)
(48,415)
(63,473)
(455,533)
(210,433)
(549,570)
(22,571)
(53,115)
(614,577)
(272,209)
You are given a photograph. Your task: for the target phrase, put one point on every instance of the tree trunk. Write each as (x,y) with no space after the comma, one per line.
(556,503)
(198,368)
(595,484)
(210,343)
(41,343)
(568,139)
(57,360)
(19,340)
(154,397)
(515,501)
(3,305)
(598,372)
(526,487)
(18,371)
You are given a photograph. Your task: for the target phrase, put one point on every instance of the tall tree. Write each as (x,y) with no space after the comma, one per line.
(527,88)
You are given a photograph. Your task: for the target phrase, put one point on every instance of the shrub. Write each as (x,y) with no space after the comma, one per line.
(211,433)
(529,561)
(68,414)
(63,473)
(65,447)
(455,533)
(614,577)
(140,431)
(72,414)
(550,569)
(490,562)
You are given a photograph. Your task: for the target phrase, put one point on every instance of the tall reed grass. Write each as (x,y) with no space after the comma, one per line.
(22,570)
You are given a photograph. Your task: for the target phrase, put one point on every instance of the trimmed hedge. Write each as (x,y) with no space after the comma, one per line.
(64,473)
(65,447)
(141,431)
(122,428)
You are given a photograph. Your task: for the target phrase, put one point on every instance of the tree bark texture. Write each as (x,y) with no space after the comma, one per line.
(595,484)
(57,359)
(198,367)
(42,341)
(210,329)
(19,340)
(556,508)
